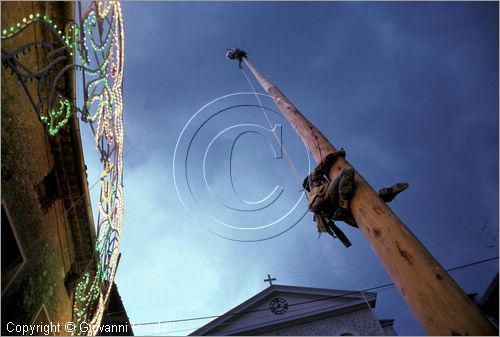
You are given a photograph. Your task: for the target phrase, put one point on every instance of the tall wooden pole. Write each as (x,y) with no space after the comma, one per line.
(438,303)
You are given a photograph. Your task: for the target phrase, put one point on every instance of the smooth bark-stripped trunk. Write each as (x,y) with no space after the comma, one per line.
(436,300)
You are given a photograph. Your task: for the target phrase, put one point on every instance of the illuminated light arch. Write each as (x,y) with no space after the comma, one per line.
(94,47)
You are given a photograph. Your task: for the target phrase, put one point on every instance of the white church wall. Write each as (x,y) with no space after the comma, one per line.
(299,306)
(357,323)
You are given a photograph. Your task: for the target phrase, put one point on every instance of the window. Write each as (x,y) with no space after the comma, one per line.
(48,191)
(12,257)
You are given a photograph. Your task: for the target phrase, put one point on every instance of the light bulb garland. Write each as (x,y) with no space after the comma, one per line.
(98,54)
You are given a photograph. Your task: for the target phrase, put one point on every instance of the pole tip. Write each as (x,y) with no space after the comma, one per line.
(236,54)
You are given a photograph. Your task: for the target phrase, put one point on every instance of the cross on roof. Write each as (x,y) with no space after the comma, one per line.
(270,280)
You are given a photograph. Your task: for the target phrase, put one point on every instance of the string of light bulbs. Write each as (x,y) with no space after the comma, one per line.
(93,46)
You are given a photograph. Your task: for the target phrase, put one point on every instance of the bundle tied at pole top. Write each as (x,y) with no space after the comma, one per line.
(236,54)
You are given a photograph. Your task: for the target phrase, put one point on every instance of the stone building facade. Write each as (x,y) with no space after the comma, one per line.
(48,233)
(299,311)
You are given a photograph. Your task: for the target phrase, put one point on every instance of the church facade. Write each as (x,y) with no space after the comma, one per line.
(300,311)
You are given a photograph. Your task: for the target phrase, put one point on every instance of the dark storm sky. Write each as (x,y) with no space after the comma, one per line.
(410,90)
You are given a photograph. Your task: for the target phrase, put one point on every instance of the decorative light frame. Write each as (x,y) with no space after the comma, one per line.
(94,47)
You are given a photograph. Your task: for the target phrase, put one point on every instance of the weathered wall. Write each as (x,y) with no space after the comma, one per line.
(357,323)
(27,158)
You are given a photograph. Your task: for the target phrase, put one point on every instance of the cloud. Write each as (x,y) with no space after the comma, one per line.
(409,90)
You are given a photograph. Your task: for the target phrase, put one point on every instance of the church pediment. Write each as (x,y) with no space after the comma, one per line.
(285,305)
